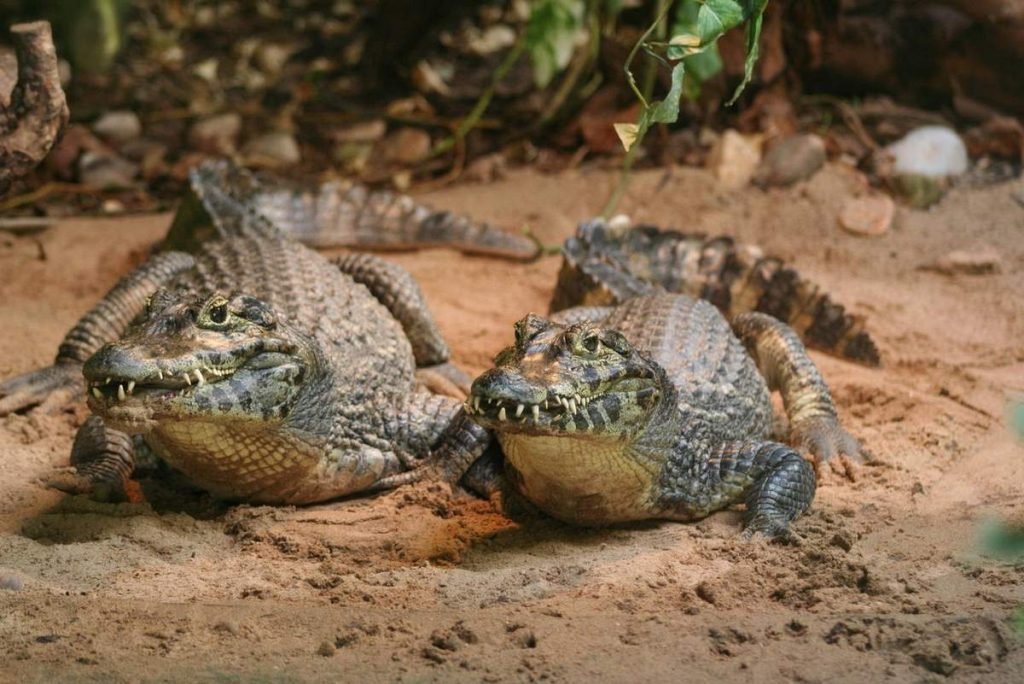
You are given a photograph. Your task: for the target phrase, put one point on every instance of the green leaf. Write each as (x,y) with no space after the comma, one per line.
(667,111)
(699,68)
(551,36)
(753,45)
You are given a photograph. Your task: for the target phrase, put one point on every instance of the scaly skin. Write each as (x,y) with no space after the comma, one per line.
(259,369)
(654,409)
(607,263)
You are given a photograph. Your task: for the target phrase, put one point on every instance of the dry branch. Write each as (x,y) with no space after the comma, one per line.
(38,111)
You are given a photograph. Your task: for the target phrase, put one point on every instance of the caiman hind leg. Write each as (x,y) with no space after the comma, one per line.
(774,481)
(395,288)
(783,361)
(104,323)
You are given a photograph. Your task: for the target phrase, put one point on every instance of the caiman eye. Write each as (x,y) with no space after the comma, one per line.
(219,313)
(591,343)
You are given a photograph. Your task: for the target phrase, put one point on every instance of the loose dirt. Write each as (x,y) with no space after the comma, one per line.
(888,584)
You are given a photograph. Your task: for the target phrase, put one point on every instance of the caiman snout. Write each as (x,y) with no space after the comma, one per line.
(508,386)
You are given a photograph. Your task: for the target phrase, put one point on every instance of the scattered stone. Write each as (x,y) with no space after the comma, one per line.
(868,215)
(406,146)
(216,134)
(207,69)
(364,131)
(106,170)
(326,649)
(933,151)
(980,261)
(277,148)
(112,206)
(118,126)
(11,582)
(792,159)
(271,57)
(526,639)
(734,159)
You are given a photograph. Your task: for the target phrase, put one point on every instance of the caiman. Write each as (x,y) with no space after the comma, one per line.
(255,366)
(656,408)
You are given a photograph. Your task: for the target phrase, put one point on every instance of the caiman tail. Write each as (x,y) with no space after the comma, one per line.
(605,264)
(225,200)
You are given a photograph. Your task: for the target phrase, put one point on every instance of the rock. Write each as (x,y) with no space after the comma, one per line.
(364,131)
(216,134)
(106,170)
(792,159)
(868,215)
(118,126)
(277,148)
(271,57)
(326,649)
(734,159)
(933,151)
(979,261)
(406,146)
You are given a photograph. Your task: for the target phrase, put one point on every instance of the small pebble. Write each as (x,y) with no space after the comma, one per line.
(791,159)
(733,159)
(869,215)
(118,126)
(934,151)
(406,146)
(272,149)
(326,649)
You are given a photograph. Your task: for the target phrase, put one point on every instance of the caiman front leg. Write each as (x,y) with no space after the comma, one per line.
(774,481)
(395,288)
(437,440)
(104,323)
(783,361)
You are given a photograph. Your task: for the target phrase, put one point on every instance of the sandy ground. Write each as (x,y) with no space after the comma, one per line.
(888,584)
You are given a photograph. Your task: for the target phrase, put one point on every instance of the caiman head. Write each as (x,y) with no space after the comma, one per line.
(581,380)
(188,358)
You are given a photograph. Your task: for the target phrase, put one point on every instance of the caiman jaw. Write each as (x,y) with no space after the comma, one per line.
(116,389)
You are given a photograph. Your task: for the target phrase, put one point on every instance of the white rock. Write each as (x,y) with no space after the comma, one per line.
(272,149)
(868,215)
(734,159)
(105,170)
(934,151)
(118,126)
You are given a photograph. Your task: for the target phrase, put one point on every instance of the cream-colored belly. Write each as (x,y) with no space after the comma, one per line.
(233,463)
(579,480)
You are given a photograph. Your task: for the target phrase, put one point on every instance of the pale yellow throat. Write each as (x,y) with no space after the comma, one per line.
(579,479)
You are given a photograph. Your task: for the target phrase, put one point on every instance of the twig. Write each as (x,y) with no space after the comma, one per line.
(471,120)
(44,191)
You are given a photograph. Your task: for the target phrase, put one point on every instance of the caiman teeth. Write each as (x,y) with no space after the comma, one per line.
(131,386)
(199,377)
(476,404)
(536,411)
(519,410)
(96,393)
(188,380)
(120,392)
(501,414)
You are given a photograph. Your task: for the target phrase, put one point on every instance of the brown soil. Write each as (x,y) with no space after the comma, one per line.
(887,584)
